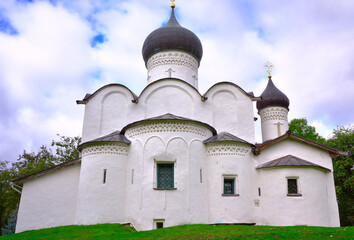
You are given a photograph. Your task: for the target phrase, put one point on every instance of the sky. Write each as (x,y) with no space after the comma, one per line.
(53,52)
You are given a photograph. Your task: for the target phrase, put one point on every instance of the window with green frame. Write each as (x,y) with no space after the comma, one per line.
(229,186)
(165,175)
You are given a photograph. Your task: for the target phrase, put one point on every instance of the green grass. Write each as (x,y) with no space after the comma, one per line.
(198,231)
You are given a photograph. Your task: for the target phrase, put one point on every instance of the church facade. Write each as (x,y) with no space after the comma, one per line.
(173,156)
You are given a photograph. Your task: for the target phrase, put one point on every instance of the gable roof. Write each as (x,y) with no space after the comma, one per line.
(21,180)
(225,137)
(289,160)
(288,135)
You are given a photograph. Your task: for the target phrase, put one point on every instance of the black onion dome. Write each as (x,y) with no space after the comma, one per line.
(172,37)
(272,96)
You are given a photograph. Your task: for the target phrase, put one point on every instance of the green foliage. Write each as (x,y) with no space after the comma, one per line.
(10,227)
(66,148)
(343,139)
(7,195)
(28,163)
(198,231)
(300,127)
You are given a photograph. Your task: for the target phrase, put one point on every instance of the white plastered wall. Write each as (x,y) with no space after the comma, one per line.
(317,206)
(312,208)
(230,160)
(110,109)
(173,64)
(232,111)
(227,108)
(274,122)
(188,202)
(102,201)
(49,200)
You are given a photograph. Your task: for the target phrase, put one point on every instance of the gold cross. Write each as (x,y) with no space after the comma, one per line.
(269,66)
(173,4)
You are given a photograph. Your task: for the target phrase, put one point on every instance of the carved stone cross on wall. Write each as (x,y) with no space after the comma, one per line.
(170,71)
(278,128)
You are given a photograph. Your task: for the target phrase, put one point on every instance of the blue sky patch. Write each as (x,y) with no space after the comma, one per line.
(25,1)
(98,39)
(6,27)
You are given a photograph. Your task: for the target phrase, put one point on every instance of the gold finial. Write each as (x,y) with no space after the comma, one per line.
(173,4)
(269,66)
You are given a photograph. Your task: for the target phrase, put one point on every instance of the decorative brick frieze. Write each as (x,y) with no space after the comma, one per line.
(219,149)
(172,58)
(274,114)
(166,127)
(108,148)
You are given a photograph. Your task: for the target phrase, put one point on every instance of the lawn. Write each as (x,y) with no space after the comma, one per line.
(198,231)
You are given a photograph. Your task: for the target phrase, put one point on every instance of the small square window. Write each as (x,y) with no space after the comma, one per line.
(159,225)
(293,187)
(165,176)
(229,186)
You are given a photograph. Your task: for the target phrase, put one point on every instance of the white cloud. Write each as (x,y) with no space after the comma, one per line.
(50,63)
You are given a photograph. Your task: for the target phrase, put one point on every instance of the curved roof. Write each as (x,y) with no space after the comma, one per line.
(174,79)
(272,96)
(135,98)
(225,137)
(112,137)
(289,161)
(89,96)
(172,36)
(250,94)
(164,117)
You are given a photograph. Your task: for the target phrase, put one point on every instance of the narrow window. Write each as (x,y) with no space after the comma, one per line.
(165,178)
(292,186)
(229,186)
(132,176)
(259,191)
(104,175)
(201,176)
(159,225)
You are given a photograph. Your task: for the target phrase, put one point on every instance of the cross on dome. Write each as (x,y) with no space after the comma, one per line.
(269,67)
(173,4)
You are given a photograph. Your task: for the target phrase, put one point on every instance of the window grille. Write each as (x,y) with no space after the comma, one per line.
(229,186)
(292,186)
(165,178)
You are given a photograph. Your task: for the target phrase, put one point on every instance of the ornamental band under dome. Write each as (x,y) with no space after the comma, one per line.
(172,155)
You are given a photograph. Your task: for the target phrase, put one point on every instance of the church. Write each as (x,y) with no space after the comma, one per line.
(172,155)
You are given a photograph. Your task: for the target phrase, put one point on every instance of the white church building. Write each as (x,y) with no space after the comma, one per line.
(172,155)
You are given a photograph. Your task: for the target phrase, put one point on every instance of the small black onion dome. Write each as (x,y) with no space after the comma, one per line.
(172,37)
(272,96)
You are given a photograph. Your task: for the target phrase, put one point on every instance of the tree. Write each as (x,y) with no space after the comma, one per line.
(28,163)
(300,127)
(4,189)
(66,148)
(10,227)
(343,166)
